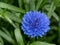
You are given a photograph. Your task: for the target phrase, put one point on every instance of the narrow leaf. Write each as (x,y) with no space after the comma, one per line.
(32,5)
(50,10)
(55,16)
(20,3)
(52,13)
(13,16)
(5,36)
(18,37)
(11,7)
(5,30)
(59,32)
(1,41)
(26,2)
(38,4)
(40,43)
(9,20)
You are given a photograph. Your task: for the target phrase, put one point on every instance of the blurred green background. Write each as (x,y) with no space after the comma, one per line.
(11,13)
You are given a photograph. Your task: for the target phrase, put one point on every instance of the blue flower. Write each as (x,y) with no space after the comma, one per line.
(35,24)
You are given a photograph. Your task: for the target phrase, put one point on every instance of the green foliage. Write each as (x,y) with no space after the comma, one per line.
(32,5)
(39,4)
(40,43)
(7,37)
(1,41)
(11,13)
(18,37)
(10,7)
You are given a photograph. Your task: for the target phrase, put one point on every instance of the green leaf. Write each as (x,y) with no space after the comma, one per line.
(1,12)
(13,16)
(5,30)
(7,37)
(55,16)
(1,16)
(32,5)
(9,20)
(8,1)
(40,43)
(56,2)
(59,32)
(38,4)
(50,10)
(18,37)
(10,17)
(1,41)
(11,7)
(52,13)
(20,3)
(26,2)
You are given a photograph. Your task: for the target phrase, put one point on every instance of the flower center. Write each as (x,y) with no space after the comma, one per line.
(35,23)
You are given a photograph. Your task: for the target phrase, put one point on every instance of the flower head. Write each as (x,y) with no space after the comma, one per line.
(35,24)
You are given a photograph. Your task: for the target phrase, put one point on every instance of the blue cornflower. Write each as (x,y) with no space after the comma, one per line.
(35,24)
